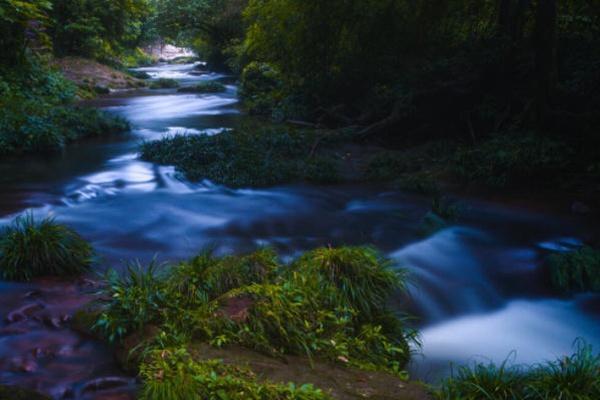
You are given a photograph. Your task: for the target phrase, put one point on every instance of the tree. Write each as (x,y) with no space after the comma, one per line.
(20,23)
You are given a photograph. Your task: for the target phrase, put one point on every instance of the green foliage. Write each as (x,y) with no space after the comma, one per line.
(360,275)
(330,304)
(172,374)
(260,88)
(97,29)
(30,248)
(204,87)
(211,27)
(576,377)
(164,83)
(577,271)
(246,156)
(137,298)
(385,167)
(510,159)
(36,112)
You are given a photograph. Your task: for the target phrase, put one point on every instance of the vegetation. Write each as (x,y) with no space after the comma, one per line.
(328,304)
(30,248)
(182,378)
(576,377)
(164,83)
(204,87)
(247,156)
(577,271)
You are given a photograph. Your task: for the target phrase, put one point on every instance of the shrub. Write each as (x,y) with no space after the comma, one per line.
(576,377)
(511,158)
(140,75)
(578,271)
(246,156)
(164,83)
(204,87)
(30,248)
(260,88)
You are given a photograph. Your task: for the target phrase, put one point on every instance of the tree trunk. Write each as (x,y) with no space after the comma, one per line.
(545,57)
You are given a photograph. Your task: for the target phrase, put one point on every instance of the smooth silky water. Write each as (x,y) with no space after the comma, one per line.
(477,288)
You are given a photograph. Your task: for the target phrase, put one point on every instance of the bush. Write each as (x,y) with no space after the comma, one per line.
(576,377)
(260,88)
(578,271)
(509,159)
(30,249)
(204,87)
(164,83)
(140,75)
(244,157)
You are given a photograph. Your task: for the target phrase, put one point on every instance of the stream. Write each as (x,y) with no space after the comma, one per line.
(478,290)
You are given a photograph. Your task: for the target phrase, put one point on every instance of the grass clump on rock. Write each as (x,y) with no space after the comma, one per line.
(327,306)
(246,157)
(576,377)
(164,83)
(30,248)
(577,271)
(204,87)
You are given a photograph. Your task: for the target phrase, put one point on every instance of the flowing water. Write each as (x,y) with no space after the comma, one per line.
(478,288)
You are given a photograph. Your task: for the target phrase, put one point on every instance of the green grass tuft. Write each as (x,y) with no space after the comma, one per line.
(577,271)
(576,377)
(29,249)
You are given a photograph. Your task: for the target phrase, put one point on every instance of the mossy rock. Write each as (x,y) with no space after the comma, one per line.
(17,393)
(340,382)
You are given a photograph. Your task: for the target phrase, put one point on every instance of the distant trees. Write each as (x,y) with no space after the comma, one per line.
(16,29)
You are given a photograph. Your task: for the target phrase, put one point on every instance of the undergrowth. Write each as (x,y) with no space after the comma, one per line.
(329,304)
(247,156)
(577,271)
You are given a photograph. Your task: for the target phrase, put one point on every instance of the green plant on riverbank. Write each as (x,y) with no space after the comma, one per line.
(511,159)
(247,156)
(204,87)
(172,374)
(329,304)
(164,83)
(37,113)
(576,377)
(577,271)
(30,248)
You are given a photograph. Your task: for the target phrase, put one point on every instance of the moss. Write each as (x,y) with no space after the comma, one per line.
(204,87)
(164,83)
(29,249)
(577,271)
